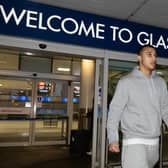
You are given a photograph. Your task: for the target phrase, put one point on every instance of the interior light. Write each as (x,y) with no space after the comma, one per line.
(63,69)
(1,84)
(87,60)
(28,53)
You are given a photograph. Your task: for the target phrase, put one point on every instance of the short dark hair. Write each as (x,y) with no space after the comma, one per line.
(144,46)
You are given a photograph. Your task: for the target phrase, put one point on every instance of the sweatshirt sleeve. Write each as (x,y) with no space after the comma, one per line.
(164,104)
(116,108)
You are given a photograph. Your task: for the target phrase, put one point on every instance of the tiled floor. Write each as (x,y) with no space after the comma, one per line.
(41,157)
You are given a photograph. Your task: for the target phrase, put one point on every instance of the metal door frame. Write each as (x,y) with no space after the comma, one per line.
(69,113)
(99,134)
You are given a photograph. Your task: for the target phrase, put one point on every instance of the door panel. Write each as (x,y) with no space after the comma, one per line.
(15,110)
(51,112)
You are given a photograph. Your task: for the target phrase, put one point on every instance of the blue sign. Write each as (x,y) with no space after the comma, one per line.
(65,100)
(38,21)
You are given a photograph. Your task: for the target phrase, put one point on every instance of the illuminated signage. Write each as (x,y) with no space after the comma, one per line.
(44,87)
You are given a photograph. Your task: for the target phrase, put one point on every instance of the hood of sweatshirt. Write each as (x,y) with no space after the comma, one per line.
(138,73)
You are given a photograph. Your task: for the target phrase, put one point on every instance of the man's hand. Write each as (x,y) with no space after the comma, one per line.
(114,147)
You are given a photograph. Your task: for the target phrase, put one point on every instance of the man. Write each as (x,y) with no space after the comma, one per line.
(140,103)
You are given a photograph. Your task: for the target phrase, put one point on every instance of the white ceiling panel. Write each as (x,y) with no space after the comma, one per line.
(153,13)
(121,9)
(150,12)
(112,8)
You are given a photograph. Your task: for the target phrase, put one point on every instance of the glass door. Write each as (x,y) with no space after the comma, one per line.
(15,111)
(36,111)
(51,117)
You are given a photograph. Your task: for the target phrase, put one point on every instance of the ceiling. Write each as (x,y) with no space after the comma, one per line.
(149,12)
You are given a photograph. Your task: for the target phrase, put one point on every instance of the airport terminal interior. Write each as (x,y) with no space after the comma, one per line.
(34,119)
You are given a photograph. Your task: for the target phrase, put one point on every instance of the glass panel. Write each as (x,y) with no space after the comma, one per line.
(14,131)
(15,108)
(51,111)
(15,93)
(67,66)
(9,61)
(51,129)
(76,65)
(62,66)
(35,64)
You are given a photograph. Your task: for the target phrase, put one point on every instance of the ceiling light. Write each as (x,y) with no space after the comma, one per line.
(63,69)
(28,53)
(87,60)
(1,84)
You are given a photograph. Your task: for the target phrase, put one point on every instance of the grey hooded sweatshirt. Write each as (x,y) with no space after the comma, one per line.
(139,103)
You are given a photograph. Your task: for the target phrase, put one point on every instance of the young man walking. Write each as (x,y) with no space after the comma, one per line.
(140,103)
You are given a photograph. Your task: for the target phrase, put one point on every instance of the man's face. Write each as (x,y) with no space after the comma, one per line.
(147,58)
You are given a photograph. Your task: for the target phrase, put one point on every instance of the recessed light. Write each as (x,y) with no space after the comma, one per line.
(28,53)
(63,69)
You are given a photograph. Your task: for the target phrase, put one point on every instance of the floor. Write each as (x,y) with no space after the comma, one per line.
(42,157)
